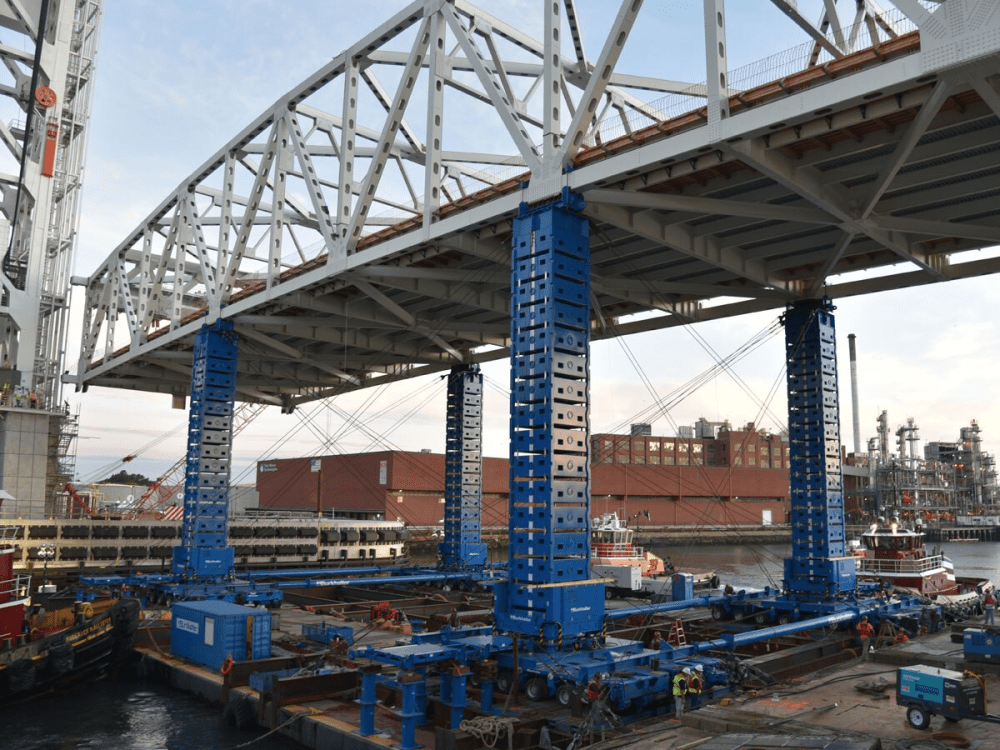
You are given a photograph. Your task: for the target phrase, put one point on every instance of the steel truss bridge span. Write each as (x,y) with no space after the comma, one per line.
(357,232)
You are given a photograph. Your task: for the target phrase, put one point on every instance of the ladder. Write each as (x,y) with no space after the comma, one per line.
(677,636)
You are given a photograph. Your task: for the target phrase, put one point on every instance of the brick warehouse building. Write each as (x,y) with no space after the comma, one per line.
(739,477)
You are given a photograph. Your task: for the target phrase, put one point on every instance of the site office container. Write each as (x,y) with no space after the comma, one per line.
(208,632)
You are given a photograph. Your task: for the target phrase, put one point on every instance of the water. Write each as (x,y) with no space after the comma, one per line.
(126,714)
(763,564)
(146,715)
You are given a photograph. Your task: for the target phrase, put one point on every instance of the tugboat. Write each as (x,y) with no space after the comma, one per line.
(44,647)
(611,543)
(896,557)
(633,570)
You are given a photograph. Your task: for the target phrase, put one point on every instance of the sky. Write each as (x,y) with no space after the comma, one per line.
(176,81)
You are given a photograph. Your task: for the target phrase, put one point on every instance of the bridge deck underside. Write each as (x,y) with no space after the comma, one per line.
(894,175)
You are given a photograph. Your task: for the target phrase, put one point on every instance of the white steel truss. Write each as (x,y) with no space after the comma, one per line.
(357,231)
(46,96)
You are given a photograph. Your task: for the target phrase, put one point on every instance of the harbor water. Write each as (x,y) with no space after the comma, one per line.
(132,714)
(125,714)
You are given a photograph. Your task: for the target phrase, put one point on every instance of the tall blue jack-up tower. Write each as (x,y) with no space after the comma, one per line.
(818,566)
(203,552)
(547,594)
(463,470)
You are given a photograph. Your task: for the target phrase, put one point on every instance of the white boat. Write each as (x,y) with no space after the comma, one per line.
(631,570)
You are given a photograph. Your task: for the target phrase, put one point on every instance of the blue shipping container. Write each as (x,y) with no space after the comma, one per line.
(207,632)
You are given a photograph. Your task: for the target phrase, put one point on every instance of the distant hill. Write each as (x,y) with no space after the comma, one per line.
(123,477)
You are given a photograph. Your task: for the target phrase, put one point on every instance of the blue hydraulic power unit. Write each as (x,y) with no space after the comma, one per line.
(981,645)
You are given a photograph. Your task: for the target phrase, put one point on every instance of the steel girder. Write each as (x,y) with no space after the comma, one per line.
(354,221)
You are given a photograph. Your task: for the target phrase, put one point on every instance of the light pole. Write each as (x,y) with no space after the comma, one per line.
(46,552)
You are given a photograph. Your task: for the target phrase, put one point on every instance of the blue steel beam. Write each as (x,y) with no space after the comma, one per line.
(547,593)
(204,551)
(463,470)
(818,567)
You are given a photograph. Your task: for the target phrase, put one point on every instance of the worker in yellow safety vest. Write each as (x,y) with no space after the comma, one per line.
(680,690)
(696,684)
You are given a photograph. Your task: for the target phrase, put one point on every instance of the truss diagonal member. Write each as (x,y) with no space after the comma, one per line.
(831,17)
(18,11)
(808,182)
(394,118)
(913,10)
(503,106)
(599,79)
(988,92)
(647,225)
(145,285)
(159,275)
(92,325)
(207,268)
(383,299)
(573,18)
(375,86)
(10,141)
(250,214)
(791,9)
(708,206)
(906,144)
(492,300)
(316,197)
(830,263)
(280,346)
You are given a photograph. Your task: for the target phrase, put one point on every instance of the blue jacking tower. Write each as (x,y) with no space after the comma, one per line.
(463,470)
(818,567)
(548,594)
(204,553)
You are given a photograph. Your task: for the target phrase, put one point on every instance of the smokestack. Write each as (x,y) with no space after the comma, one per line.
(854,393)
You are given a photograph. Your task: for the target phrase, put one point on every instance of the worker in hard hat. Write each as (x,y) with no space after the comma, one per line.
(655,645)
(696,685)
(680,682)
(865,634)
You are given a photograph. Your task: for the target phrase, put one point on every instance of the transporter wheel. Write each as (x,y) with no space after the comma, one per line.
(761,618)
(918,717)
(537,689)
(784,618)
(717,613)
(505,681)
(564,694)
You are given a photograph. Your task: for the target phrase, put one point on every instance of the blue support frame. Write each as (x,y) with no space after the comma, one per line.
(204,552)
(818,566)
(463,483)
(547,594)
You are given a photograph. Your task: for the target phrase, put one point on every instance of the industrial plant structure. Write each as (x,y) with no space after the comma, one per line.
(954,483)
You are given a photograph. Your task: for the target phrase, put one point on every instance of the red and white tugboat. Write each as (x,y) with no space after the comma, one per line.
(896,556)
(44,646)
(611,543)
(633,570)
